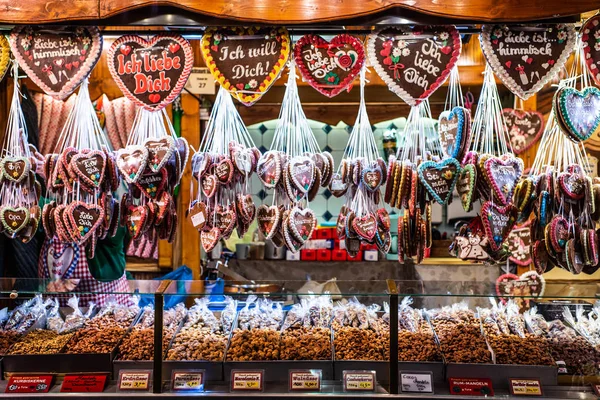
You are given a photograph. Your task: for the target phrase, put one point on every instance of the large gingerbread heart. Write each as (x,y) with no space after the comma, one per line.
(4,56)
(439,178)
(526,58)
(525,128)
(57,59)
(590,36)
(579,111)
(503,176)
(15,169)
(132,161)
(497,222)
(416,61)
(330,67)
(151,73)
(246,60)
(85,219)
(14,219)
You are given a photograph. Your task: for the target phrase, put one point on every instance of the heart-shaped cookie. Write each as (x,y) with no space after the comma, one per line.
(505,283)
(525,128)
(89,167)
(136,221)
(225,219)
(526,59)
(465,186)
(151,73)
(439,178)
(159,151)
(14,219)
(224,171)
(132,161)
(268,218)
(519,245)
(503,175)
(37,49)
(558,233)
(372,178)
(329,67)
(84,219)
(452,127)
(244,162)
(572,185)
(210,238)
(414,62)
(578,111)
(268,168)
(497,222)
(302,223)
(209,185)
(590,37)
(246,61)
(152,184)
(301,170)
(365,226)
(15,169)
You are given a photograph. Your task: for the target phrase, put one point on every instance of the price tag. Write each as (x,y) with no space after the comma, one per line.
(525,387)
(247,380)
(471,386)
(83,383)
(187,380)
(363,381)
(562,367)
(306,379)
(29,384)
(201,81)
(135,379)
(416,382)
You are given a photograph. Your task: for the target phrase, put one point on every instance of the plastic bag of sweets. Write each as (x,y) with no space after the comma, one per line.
(54,320)
(76,319)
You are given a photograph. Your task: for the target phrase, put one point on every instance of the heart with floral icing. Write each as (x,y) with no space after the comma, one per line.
(465,186)
(209,185)
(365,226)
(590,37)
(159,151)
(504,284)
(439,178)
(246,61)
(244,161)
(558,233)
(89,167)
(302,223)
(414,61)
(224,171)
(268,168)
(579,111)
(372,178)
(14,219)
(572,184)
(503,175)
(526,59)
(151,73)
(497,222)
(210,238)
(268,219)
(451,129)
(84,219)
(152,184)
(524,128)
(57,60)
(132,161)
(15,169)
(329,67)
(225,219)
(301,170)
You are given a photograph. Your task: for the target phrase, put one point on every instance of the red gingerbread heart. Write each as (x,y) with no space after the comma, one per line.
(365,226)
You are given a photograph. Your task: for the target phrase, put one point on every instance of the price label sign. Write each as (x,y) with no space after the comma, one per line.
(29,384)
(362,381)
(471,386)
(187,380)
(201,81)
(525,387)
(416,382)
(135,379)
(305,380)
(83,383)
(247,380)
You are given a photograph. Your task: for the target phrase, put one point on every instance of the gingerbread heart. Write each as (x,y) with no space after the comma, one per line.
(243,160)
(525,128)
(159,151)
(268,168)
(302,223)
(225,219)
(210,238)
(452,126)
(503,175)
(57,60)
(527,59)
(572,185)
(301,170)
(579,111)
(439,178)
(85,219)
(89,167)
(365,226)
(505,283)
(590,37)
(329,67)
(14,219)
(372,178)
(383,219)
(151,73)
(132,161)
(534,282)
(198,215)
(558,233)
(15,169)
(414,62)
(246,61)
(465,186)
(224,171)
(209,185)
(268,218)
(519,245)
(152,184)
(497,222)
(136,221)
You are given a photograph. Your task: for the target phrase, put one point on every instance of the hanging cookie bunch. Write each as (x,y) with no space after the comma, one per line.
(151,73)
(295,168)
(490,172)
(19,190)
(360,177)
(566,206)
(223,167)
(81,178)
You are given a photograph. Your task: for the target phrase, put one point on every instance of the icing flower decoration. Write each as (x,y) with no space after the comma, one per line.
(253,83)
(444,35)
(402,44)
(497,33)
(217,37)
(597,47)
(448,175)
(332,78)
(405,52)
(562,35)
(397,52)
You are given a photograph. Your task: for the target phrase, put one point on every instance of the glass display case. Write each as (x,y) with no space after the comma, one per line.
(299,337)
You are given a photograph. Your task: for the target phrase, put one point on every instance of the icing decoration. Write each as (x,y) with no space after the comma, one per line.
(439,178)
(590,36)
(132,161)
(519,245)
(497,222)
(579,111)
(465,186)
(525,128)
(452,126)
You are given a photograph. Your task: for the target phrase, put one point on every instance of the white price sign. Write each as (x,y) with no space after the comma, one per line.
(416,382)
(201,81)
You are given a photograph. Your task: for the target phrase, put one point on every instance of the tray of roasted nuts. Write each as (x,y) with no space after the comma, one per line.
(79,342)
(267,338)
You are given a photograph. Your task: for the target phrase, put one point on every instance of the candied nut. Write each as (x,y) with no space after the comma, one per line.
(306,344)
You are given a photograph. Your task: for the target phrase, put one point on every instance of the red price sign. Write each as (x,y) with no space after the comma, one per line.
(83,383)
(29,384)
(471,386)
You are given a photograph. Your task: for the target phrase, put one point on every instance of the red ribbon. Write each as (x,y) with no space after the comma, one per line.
(47,69)
(520,69)
(396,68)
